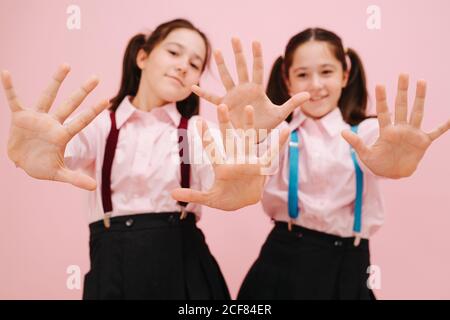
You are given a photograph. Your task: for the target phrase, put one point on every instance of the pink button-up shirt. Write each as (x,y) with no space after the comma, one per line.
(146,164)
(327,185)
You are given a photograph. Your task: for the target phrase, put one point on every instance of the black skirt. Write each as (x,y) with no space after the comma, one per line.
(152,256)
(307,264)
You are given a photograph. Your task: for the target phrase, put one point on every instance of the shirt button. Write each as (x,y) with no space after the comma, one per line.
(338,243)
(129,222)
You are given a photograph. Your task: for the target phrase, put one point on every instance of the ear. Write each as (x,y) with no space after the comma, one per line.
(288,84)
(141,58)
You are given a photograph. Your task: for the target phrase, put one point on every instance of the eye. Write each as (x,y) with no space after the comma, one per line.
(196,67)
(173,52)
(301,75)
(327,72)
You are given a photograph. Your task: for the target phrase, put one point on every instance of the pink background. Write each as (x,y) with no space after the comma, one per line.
(43,228)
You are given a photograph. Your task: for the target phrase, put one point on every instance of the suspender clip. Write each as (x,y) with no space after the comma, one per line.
(290,225)
(107,220)
(183,213)
(357,239)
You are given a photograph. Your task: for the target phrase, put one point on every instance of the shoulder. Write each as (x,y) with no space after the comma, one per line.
(368,130)
(368,125)
(195,121)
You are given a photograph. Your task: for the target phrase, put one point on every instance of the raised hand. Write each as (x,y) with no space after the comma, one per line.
(402,144)
(239,175)
(38,139)
(249,92)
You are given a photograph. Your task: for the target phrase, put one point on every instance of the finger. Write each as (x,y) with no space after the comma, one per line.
(258,64)
(227,81)
(439,131)
(419,103)
(226,128)
(356,142)
(401,101)
(294,102)
(384,118)
(189,195)
(209,145)
(81,121)
(10,93)
(205,95)
(275,148)
(48,96)
(77,179)
(63,112)
(241,64)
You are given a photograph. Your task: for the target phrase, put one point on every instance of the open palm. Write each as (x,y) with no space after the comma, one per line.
(239,176)
(38,139)
(401,145)
(246,92)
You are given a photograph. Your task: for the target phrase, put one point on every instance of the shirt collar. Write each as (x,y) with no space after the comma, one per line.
(298,118)
(172,111)
(331,123)
(126,110)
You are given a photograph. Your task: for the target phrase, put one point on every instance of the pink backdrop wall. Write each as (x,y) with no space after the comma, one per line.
(43,228)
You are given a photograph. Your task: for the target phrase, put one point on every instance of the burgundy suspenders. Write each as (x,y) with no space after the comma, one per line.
(185,167)
(110,150)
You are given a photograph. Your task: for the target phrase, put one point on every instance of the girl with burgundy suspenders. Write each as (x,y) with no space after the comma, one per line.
(143,243)
(324,199)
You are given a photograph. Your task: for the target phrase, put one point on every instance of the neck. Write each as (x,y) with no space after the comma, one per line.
(315,117)
(145,100)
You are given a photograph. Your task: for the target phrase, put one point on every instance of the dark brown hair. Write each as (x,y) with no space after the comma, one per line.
(131,73)
(353,100)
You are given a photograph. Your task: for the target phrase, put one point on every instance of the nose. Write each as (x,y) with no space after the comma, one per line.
(182,67)
(316,82)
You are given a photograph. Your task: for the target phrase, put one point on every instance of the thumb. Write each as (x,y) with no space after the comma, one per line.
(77,179)
(356,143)
(189,195)
(294,102)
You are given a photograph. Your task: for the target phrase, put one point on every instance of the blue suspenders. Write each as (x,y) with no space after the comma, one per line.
(294,210)
(359,189)
(294,154)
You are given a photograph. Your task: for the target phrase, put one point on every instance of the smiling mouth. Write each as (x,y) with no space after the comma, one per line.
(318,99)
(176,79)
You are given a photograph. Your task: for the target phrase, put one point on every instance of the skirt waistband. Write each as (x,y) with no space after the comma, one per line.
(143,221)
(318,237)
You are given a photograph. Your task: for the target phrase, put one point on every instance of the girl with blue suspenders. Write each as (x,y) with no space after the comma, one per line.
(324,199)
(143,243)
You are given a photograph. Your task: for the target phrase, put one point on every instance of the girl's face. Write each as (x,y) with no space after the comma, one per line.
(173,66)
(316,70)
